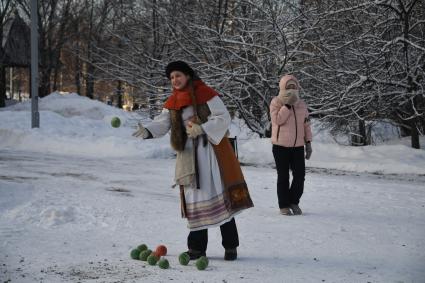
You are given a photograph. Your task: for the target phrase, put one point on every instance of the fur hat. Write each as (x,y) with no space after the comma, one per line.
(179,66)
(287,80)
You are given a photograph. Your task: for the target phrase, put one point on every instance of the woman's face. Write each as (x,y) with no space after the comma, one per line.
(178,80)
(291,85)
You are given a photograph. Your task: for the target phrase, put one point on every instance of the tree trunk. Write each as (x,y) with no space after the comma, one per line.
(56,85)
(362,133)
(423,125)
(29,83)
(119,94)
(2,86)
(44,86)
(415,136)
(90,81)
(78,70)
(78,77)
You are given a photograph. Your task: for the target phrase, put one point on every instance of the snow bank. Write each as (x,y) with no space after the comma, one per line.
(392,155)
(381,132)
(386,159)
(75,125)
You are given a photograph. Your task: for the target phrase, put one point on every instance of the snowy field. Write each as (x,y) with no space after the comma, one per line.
(76,195)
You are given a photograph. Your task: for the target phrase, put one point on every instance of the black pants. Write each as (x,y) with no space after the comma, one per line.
(289,158)
(198,240)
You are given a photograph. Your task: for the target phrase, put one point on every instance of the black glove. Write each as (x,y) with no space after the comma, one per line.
(308,150)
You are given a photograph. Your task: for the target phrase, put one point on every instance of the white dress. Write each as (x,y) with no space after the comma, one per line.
(205,207)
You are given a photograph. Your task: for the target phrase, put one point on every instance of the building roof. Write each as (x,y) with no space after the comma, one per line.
(15,48)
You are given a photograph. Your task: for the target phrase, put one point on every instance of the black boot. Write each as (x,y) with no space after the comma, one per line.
(230,254)
(193,254)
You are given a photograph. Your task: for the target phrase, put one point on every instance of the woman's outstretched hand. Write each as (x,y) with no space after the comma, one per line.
(141,132)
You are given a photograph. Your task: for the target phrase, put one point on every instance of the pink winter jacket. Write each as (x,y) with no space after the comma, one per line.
(290,127)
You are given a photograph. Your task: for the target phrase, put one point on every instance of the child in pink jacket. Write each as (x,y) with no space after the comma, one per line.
(291,132)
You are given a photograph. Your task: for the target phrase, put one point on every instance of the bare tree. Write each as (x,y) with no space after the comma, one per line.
(239,47)
(364,63)
(53,27)
(6,8)
(359,61)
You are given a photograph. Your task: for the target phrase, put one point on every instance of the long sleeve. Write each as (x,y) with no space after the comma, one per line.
(308,136)
(160,125)
(279,113)
(218,122)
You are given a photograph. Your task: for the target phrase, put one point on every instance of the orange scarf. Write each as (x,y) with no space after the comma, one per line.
(181,98)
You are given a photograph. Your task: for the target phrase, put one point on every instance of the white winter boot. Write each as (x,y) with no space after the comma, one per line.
(285,211)
(296,209)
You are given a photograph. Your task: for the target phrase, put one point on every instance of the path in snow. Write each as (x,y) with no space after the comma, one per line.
(70,219)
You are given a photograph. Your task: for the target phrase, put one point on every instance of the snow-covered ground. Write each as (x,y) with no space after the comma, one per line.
(74,219)
(76,195)
(75,125)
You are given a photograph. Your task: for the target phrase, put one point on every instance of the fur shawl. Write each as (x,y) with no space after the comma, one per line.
(178,130)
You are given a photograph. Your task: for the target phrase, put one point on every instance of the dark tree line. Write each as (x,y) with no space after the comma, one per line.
(366,64)
(358,61)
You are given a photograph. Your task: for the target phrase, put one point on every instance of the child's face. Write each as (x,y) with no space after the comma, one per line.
(291,86)
(178,80)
